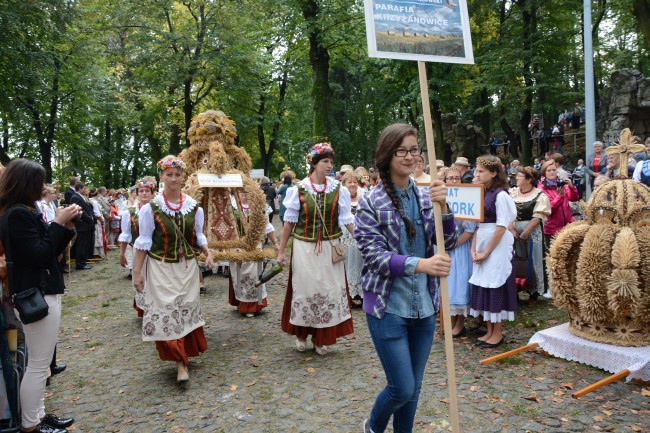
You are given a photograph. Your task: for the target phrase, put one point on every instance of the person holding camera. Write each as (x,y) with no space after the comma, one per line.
(560,193)
(33,247)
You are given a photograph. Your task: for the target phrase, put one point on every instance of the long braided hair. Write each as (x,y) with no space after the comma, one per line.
(389,140)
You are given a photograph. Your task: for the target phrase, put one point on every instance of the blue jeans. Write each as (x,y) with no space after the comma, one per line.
(403,346)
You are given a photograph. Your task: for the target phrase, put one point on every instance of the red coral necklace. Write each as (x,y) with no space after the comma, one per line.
(314,186)
(169,205)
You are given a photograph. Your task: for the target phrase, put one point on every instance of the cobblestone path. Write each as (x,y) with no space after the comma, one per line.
(252,379)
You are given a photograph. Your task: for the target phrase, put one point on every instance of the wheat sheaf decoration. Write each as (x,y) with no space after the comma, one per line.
(598,267)
(235,218)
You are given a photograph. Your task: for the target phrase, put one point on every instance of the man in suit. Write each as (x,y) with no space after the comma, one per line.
(67,195)
(85,226)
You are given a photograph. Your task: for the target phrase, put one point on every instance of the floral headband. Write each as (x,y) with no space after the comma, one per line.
(491,165)
(144,184)
(318,149)
(164,164)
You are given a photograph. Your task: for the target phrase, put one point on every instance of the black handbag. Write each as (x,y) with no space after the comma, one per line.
(30,303)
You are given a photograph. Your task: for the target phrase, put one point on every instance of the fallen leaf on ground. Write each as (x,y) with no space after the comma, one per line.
(645,392)
(252,383)
(233,387)
(635,428)
(598,418)
(567,385)
(532,397)
(310,369)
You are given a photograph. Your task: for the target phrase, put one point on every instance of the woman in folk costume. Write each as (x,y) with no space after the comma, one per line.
(100,249)
(317,300)
(166,271)
(461,265)
(242,292)
(494,290)
(130,230)
(353,260)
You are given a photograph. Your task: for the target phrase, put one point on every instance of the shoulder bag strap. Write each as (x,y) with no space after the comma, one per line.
(319,214)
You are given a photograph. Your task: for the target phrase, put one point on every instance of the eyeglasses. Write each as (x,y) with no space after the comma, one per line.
(453,178)
(416,151)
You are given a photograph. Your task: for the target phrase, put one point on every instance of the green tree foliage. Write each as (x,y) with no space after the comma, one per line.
(104,88)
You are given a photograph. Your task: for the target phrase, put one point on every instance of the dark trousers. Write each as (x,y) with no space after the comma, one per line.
(83,247)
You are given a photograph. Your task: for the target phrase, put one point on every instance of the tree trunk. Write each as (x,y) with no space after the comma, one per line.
(154,145)
(261,139)
(510,133)
(319,59)
(136,152)
(528,98)
(175,140)
(188,108)
(108,154)
(4,149)
(642,12)
(485,112)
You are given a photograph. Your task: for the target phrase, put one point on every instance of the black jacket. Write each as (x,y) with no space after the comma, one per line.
(67,195)
(87,221)
(34,249)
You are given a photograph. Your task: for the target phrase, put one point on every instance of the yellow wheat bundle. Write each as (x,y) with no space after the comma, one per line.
(562,266)
(594,265)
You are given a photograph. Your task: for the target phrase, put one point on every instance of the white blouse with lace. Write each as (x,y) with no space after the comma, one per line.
(292,201)
(147,223)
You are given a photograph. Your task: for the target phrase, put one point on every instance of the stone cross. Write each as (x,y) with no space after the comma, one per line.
(624,149)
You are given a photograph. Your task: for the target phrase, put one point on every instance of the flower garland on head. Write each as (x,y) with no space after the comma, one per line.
(317,150)
(164,164)
(144,184)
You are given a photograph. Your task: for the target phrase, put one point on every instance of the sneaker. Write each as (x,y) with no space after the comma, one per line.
(250,315)
(548,295)
(203,290)
(321,350)
(366,426)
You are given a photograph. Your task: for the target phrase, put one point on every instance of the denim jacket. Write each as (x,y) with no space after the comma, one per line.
(377,233)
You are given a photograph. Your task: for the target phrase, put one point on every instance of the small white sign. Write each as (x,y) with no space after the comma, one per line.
(256,173)
(220,180)
(465,200)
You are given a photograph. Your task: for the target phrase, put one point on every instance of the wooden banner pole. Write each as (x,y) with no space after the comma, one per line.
(440,242)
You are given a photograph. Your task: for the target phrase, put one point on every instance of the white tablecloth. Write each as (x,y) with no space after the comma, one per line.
(560,342)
